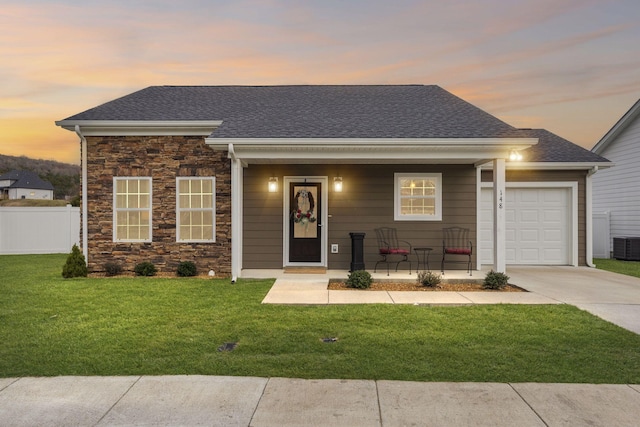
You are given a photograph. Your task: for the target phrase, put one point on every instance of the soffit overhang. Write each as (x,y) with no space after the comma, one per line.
(368,150)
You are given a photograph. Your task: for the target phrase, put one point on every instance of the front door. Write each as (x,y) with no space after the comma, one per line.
(305,222)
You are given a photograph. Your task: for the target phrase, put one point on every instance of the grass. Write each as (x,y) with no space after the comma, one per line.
(630,268)
(151,326)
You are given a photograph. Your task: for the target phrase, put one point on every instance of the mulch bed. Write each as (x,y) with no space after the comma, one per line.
(413,286)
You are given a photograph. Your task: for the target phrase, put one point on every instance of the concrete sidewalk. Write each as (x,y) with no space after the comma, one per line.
(252,401)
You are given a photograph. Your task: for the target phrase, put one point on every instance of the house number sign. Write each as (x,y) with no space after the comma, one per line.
(500,200)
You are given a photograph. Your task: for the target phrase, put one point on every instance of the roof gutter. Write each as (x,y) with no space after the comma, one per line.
(83,161)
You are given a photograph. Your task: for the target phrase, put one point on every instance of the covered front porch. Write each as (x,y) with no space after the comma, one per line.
(368,171)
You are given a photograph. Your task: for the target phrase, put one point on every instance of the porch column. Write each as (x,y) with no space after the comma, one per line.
(499,220)
(236,217)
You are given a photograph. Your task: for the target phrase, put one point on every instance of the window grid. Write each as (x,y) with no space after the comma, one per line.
(132,209)
(418,197)
(196,206)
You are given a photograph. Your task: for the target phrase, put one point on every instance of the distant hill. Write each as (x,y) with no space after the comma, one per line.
(9,163)
(65,177)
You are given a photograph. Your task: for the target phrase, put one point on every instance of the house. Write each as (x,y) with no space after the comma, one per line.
(20,184)
(615,191)
(266,177)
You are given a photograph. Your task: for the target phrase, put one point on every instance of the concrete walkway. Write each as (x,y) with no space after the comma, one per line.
(262,402)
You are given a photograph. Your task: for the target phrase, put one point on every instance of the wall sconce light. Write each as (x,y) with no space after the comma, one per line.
(515,156)
(337,184)
(273,184)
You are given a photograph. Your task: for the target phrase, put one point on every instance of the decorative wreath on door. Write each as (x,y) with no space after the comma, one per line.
(297,215)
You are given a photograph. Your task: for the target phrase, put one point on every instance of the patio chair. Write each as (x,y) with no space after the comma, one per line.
(389,246)
(456,243)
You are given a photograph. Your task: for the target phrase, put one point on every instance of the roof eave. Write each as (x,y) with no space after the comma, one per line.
(617,129)
(553,165)
(141,127)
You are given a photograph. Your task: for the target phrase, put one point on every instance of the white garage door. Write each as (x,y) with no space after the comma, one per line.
(538,226)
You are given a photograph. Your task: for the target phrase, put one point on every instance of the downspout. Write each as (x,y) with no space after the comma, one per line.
(478,201)
(83,161)
(589,215)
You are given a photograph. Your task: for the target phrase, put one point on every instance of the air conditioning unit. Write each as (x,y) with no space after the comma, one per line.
(626,248)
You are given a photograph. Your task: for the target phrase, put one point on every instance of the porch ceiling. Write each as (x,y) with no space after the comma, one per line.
(449,151)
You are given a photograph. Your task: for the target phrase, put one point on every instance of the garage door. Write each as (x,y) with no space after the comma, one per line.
(538,226)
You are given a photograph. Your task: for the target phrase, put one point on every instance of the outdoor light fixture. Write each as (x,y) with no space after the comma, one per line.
(515,156)
(337,184)
(273,184)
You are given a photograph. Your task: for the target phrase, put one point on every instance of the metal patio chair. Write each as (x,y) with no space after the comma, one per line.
(389,246)
(455,242)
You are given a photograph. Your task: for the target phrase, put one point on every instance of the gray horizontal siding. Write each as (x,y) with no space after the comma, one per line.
(616,189)
(365,204)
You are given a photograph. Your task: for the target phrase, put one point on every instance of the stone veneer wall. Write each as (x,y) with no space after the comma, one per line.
(163,158)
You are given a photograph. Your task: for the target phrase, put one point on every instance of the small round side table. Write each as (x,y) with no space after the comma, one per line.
(423,256)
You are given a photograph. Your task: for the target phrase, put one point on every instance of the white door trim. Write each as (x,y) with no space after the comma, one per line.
(324,230)
(572,186)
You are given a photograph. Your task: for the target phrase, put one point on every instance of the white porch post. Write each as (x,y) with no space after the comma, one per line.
(236,217)
(499,220)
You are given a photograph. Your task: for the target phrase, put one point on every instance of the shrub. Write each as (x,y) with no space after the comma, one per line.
(359,279)
(495,280)
(145,268)
(113,268)
(76,266)
(186,269)
(429,279)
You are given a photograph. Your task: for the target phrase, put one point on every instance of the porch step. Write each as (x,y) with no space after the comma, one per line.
(305,270)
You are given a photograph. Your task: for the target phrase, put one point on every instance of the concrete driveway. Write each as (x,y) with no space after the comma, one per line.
(611,296)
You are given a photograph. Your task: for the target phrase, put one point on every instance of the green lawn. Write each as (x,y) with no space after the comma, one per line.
(152,326)
(630,268)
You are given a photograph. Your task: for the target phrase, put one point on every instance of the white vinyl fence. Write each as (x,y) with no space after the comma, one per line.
(39,230)
(601,235)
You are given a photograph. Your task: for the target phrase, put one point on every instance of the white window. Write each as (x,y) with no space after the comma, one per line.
(131,209)
(418,196)
(196,209)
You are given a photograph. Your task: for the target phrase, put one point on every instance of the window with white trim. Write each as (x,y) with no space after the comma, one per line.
(196,209)
(132,209)
(418,196)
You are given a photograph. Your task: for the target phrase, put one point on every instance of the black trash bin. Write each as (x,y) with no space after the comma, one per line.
(357,251)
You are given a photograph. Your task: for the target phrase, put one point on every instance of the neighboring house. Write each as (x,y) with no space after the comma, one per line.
(24,185)
(615,190)
(237,177)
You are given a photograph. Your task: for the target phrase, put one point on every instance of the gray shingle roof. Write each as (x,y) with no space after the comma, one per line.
(406,111)
(26,179)
(553,148)
(383,111)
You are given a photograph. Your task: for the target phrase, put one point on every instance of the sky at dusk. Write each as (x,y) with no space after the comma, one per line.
(569,66)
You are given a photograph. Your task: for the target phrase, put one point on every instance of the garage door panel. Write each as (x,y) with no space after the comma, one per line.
(529,216)
(528,196)
(532,236)
(552,256)
(538,226)
(555,195)
(553,235)
(529,255)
